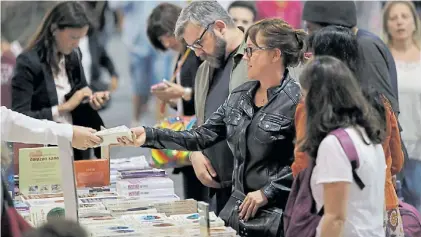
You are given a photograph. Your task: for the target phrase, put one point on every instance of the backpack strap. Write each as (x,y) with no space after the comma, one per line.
(350,151)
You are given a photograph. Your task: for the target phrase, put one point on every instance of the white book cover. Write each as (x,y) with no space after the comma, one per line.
(109,136)
(177,207)
(145,183)
(120,212)
(98,199)
(145,218)
(41,214)
(147,192)
(45,201)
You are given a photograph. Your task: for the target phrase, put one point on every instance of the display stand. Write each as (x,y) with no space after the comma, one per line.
(68,179)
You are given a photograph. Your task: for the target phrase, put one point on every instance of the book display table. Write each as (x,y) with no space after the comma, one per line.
(122,197)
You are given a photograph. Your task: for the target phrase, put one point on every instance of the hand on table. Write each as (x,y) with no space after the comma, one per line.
(84,138)
(204,170)
(137,140)
(252,203)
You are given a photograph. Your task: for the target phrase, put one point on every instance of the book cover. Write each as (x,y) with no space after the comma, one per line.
(109,136)
(45,213)
(92,173)
(40,170)
(132,174)
(146,192)
(144,183)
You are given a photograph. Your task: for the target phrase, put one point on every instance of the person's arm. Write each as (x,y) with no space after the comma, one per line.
(300,158)
(335,179)
(16,127)
(395,142)
(335,197)
(104,60)
(199,138)
(23,89)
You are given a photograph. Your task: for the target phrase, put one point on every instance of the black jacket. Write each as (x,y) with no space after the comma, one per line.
(34,91)
(276,133)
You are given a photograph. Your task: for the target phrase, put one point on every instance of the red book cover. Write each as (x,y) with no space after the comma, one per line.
(92,173)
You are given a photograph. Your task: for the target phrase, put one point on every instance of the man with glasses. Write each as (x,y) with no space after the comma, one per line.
(209,31)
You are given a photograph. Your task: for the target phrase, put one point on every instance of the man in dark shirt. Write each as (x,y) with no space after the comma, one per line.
(207,29)
(378,65)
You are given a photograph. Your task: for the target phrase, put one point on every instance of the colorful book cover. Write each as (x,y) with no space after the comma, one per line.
(40,170)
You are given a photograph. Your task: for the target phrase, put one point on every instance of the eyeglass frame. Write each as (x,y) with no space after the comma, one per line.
(251,49)
(197,43)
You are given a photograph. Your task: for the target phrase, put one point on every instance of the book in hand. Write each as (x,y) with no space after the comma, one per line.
(109,136)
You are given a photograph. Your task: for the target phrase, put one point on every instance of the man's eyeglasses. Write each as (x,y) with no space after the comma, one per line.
(197,44)
(249,50)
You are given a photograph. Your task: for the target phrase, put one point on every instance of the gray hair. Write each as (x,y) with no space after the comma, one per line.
(202,13)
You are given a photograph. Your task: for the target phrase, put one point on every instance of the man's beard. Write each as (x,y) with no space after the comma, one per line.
(218,56)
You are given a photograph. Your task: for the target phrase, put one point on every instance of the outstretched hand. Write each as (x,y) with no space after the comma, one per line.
(84,138)
(138,138)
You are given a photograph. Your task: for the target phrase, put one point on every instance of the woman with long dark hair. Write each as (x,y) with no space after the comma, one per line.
(333,100)
(49,80)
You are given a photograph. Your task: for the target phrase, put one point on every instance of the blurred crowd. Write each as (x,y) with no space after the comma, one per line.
(202,70)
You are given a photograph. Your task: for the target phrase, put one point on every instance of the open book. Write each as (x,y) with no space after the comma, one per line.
(109,136)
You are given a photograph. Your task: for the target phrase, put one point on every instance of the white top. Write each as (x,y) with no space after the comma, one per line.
(86,59)
(409,86)
(62,87)
(16,127)
(365,207)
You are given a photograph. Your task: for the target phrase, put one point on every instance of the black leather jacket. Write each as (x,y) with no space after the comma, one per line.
(274,136)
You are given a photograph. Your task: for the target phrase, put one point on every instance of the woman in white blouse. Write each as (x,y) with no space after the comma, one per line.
(49,81)
(16,127)
(403,35)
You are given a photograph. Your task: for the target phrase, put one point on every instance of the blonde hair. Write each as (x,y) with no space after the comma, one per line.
(416,37)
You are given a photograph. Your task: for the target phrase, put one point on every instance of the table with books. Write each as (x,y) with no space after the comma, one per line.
(138,201)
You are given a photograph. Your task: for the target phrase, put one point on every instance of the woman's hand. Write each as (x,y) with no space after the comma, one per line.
(98,99)
(252,203)
(138,138)
(84,138)
(75,100)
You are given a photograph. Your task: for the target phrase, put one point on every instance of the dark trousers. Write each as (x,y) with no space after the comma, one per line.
(221,198)
(193,188)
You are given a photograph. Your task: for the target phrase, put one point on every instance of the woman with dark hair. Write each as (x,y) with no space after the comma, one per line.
(161,25)
(257,120)
(341,43)
(49,81)
(333,99)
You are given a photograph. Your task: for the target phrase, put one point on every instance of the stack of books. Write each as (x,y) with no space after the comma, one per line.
(126,164)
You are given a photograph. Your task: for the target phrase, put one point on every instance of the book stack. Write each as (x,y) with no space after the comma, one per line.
(126,164)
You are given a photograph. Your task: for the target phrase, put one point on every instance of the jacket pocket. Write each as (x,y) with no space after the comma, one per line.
(232,121)
(271,128)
